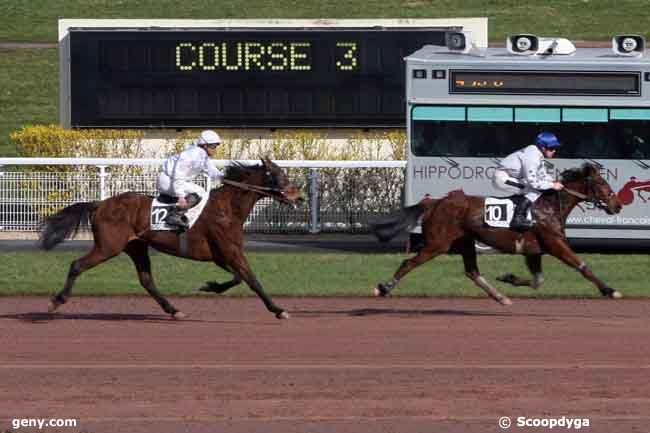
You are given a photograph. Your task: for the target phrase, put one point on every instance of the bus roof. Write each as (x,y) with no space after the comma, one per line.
(430,54)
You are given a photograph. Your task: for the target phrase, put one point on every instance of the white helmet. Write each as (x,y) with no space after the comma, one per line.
(209,137)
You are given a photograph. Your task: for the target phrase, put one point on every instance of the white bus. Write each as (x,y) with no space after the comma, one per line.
(465,112)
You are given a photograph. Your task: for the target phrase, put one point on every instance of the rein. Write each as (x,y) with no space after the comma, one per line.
(596,202)
(248,187)
(577,194)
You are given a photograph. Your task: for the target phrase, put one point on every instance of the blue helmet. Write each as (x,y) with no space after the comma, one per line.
(547,140)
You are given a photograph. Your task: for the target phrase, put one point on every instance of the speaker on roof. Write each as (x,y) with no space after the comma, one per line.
(459,41)
(628,45)
(523,44)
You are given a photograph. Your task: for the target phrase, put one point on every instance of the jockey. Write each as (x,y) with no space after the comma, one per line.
(523,173)
(178,171)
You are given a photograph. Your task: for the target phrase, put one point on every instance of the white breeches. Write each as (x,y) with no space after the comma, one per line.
(178,188)
(504,182)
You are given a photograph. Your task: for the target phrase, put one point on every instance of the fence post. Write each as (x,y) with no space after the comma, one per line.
(102,182)
(314,226)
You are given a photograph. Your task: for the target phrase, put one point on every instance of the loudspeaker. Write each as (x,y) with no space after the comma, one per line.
(526,45)
(523,44)
(459,41)
(628,45)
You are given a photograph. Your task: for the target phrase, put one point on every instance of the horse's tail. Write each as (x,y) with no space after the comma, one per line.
(65,223)
(405,219)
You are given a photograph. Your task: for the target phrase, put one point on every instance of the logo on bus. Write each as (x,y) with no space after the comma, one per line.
(626,194)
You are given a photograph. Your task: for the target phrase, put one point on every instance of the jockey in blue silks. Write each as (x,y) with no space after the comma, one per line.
(523,173)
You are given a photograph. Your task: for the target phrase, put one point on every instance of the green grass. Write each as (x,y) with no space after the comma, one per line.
(36,20)
(28,91)
(313,274)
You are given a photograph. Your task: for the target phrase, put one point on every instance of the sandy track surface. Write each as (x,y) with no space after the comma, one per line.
(339,365)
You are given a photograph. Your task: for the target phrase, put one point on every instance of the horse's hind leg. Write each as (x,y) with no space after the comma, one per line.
(534,263)
(468,251)
(427,253)
(139,253)
(214,287)
(90,260)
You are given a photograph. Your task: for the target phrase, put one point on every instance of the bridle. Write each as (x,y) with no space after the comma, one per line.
(263,190)
(590,197)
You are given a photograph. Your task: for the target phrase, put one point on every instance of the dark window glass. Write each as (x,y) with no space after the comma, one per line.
(617,139)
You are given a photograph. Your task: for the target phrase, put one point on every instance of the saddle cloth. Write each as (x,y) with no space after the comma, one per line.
(162,205)
(498,212)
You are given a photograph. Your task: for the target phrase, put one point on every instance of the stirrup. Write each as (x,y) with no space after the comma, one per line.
(177,220)
(524,224)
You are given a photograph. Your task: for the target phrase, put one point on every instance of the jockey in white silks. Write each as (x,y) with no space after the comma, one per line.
(179,170)
(523,173)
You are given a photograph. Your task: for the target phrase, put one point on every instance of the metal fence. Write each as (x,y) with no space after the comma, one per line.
(341,196)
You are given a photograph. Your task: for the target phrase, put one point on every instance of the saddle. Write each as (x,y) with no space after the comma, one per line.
(163,205)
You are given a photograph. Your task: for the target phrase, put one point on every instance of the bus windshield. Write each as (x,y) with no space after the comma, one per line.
(587,133)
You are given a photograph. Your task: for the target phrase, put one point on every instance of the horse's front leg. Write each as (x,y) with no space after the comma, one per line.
(427,253)
(559,247)
(238,264)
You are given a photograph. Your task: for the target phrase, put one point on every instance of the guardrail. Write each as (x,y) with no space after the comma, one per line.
(341,195)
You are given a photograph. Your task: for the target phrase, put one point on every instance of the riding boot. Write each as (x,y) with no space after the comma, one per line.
(177,218)
(192,200)
(520,219)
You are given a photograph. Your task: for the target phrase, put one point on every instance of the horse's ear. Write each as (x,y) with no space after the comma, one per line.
(266,162)
(590,169)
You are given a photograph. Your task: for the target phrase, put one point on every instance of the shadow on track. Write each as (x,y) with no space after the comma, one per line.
(362,312)
(44,317)
(38,317)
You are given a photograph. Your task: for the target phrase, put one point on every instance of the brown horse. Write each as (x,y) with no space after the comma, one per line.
(455,222)
(121,223)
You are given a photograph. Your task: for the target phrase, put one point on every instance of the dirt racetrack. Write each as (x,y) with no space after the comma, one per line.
(339,365)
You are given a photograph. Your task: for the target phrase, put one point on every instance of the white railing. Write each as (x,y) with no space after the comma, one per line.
(341,195)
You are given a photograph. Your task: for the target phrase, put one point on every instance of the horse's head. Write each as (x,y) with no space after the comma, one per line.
(588,180)
(280,186)
(269,179)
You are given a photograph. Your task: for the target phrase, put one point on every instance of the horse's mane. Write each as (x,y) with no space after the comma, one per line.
(577,173)
(238,172)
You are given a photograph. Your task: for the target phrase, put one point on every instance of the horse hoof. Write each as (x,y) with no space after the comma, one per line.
(380,291)
(616,295)
(52,306)
(283,315)
(505,301)
(179,315)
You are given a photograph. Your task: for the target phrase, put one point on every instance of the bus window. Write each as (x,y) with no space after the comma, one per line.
(584,133)
(471,139)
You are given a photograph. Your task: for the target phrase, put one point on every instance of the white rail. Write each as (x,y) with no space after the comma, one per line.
(219,162)
(339,200)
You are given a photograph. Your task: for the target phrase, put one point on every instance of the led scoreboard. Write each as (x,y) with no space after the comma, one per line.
(240,77)
(546,83)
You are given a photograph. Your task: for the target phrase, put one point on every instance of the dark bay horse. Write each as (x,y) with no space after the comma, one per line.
(121,224)
(455,222)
